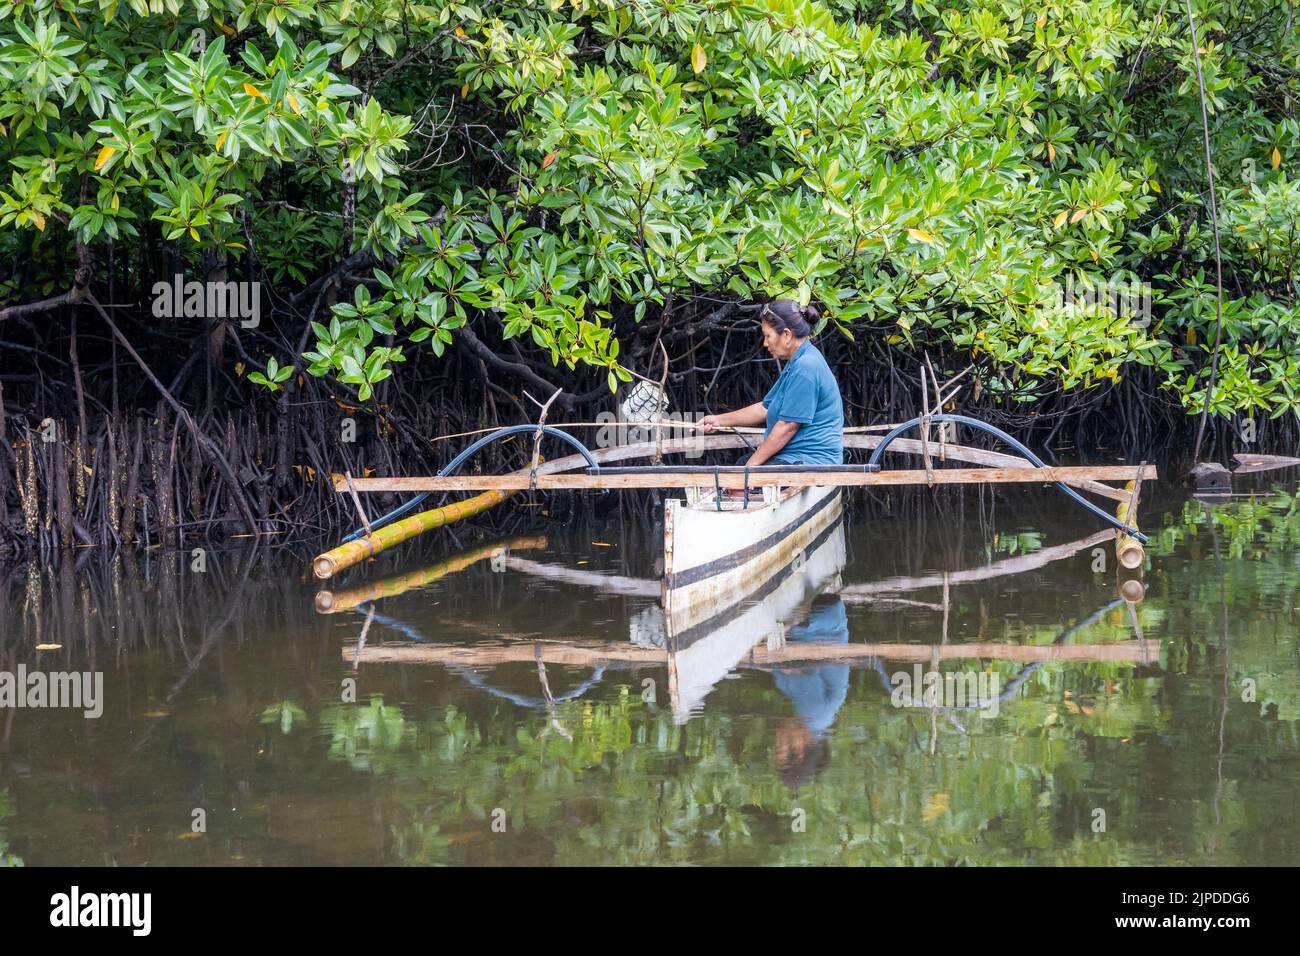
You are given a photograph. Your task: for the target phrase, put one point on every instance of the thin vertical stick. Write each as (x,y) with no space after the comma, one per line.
(1218,259)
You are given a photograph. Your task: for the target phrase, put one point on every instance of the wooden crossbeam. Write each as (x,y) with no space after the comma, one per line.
(587,653)
(758,477)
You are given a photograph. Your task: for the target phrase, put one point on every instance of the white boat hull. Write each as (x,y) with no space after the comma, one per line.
(714,558)
(733,579)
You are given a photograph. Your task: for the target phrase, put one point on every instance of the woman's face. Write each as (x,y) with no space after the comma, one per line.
(782,345)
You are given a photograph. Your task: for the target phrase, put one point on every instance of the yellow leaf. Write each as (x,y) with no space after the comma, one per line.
(104,156)
(48,647)
(1277,157)
(1041,21)
(1079,214)
(1190,336)
(1201,51)
(894,339)
(239,369)
(293,103)
(252,90)
(1060,218)
(189,836)
(221,140)
(194,234)
(1051,153)
(74,19)
(154,714)
(1241,228)
(805,132)
(550,158)
(40,222)
(116,201)
(602,544)
(464,91)
(934,807)
(1086,710)
(1094,255)
(1071,706)
(920,235)
(698,60)
(225,27)
(1067,693)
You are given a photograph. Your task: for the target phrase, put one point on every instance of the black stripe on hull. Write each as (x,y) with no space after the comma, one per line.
(700,572)
(697,632)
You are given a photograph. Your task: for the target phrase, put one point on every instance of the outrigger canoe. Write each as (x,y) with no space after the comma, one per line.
(715,544)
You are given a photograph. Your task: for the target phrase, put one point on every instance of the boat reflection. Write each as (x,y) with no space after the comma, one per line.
(795,626)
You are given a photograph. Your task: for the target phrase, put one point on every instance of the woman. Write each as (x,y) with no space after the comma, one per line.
(803,410)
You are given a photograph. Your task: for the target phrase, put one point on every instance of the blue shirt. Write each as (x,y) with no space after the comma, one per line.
(806,393)
(818,692)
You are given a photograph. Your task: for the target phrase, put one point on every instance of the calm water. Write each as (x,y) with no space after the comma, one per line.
(1161,731)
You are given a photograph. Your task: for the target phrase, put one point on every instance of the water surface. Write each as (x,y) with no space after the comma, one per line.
(1169,737)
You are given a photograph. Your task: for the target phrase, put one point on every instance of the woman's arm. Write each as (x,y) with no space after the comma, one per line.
(754,414)
(776,439)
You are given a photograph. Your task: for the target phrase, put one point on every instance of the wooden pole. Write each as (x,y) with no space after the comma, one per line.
(587,653)
(758,477)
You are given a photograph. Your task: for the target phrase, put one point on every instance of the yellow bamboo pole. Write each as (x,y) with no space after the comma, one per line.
(333,602)
(1127,548)
(354,552)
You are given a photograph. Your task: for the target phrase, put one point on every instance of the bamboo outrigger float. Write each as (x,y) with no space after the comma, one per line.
(726,536)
